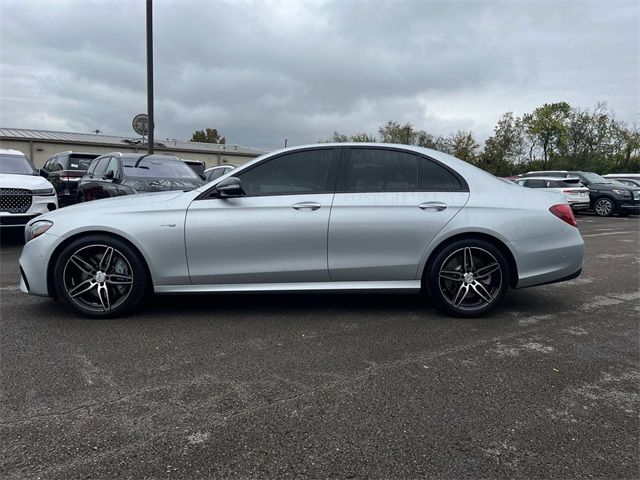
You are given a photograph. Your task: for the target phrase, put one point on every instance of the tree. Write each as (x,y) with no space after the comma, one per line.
(210,135)
(545,127)
(393,132)
(358,137)
(463,146)
(504,149)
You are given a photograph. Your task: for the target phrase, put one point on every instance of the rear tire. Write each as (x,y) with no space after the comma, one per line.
(468,278)
(100,276)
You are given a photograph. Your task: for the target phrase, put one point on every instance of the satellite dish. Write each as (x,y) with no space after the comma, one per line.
(140,124)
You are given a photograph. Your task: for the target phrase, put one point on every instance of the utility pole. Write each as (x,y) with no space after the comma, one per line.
(150,138)
(286,140)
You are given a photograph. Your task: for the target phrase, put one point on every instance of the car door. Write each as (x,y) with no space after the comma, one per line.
(275,233)
(389,205)
(91,187)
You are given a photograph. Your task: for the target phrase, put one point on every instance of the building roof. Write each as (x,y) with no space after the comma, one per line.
(111,140)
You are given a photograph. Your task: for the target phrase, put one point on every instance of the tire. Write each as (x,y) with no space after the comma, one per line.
(604,207)
(467,289)
(100,277)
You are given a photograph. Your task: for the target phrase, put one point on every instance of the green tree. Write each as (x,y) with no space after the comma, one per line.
(393,132)
(463,146)
(210,135)
(504,149)
(358,137)
(546,127)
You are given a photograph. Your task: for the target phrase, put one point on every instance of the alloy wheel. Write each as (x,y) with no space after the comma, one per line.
(98,278)
(470,278)
(604,207)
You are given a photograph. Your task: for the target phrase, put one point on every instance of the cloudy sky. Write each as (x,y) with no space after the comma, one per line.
(264,71)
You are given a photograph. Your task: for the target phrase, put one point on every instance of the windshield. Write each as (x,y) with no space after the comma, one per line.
(158,167)
(594,178)
(15,164)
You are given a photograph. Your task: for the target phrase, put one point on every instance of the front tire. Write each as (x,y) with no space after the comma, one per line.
(604,207)
(100,276)
(468,278)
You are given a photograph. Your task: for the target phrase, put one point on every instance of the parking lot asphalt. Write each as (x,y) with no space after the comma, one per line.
(348,386)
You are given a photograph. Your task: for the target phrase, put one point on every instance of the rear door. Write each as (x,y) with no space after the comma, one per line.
(275,233)
(389,205)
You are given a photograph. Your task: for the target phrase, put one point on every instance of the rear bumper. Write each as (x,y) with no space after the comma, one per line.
(552,259)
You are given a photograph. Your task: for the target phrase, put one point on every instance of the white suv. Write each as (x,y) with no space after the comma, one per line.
(23,194)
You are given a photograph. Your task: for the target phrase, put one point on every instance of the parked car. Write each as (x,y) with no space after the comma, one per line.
(606,198)
(315,218)
(211,174)
(64,170)
(195,165)
(23,194)
(116,174)
(630,179)
(575,193)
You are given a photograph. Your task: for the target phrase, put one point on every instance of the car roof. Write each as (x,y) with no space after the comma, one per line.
(10,151)
(559,179)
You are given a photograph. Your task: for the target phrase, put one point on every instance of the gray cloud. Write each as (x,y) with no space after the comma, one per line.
(261,72)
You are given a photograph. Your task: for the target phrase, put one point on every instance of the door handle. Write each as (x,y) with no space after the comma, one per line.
(437,206)
(306,206)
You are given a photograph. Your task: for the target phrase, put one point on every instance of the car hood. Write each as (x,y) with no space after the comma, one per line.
(162,184)
(31,182)
(125,203)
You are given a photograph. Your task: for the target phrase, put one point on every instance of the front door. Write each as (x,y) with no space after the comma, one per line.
(275,233)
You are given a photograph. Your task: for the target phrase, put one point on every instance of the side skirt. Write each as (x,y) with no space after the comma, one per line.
(410,286)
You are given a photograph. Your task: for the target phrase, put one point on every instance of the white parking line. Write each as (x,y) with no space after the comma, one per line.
(607,233)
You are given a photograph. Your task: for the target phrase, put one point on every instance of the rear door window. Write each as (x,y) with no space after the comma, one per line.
(379,170)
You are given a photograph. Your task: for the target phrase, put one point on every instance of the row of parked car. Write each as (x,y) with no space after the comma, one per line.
(74,177)
(605,195)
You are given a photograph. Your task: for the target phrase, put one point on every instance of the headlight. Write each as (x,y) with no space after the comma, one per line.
(35,229)
(624,193)
(43,191)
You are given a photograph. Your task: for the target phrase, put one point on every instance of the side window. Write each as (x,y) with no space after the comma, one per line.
(292,173)
(54,166)
(92,166)
(436,178)
(101,167)
(537,183)
(47,165)
(112,166)
(379,170)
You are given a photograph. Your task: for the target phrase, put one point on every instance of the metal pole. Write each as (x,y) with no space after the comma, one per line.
(150,74)
(286,140)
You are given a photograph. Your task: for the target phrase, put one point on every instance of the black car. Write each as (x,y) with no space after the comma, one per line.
(116,174)
(64,170)
(606,197)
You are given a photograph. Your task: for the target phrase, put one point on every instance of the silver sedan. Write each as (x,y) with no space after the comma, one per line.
(324,217)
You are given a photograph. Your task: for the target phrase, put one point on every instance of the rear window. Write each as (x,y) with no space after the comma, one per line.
(158,167)
(79,162)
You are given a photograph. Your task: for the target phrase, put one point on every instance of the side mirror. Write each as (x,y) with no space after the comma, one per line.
(109,175)
(229,187)
(43,173)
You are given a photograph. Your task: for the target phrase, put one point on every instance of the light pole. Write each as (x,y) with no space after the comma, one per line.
(285,142)
(150,75)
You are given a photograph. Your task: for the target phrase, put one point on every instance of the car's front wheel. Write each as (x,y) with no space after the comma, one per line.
(468,278)
(100,276)
(604,207)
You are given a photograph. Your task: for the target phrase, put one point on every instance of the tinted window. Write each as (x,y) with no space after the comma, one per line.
(297,172)
(378,170)
(437,178)
(92,167)
(17,164)
(101,167)
(536,183)
(112,166)
(78,162)
(158,167)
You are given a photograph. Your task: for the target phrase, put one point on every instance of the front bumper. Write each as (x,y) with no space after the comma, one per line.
(34,262)
(39,205)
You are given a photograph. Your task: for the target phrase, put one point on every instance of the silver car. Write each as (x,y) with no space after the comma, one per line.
(324,217)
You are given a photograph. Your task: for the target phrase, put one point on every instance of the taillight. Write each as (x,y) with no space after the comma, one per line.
(564,212)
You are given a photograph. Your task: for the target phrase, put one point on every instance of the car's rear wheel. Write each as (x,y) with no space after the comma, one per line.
(604,207)
(468,278)
(100,276)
